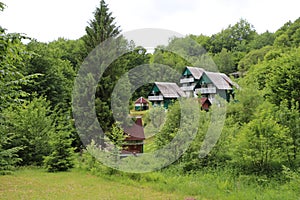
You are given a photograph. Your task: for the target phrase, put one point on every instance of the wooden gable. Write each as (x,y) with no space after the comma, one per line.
(154,90)
(195,72)
(204,80)
(186,72)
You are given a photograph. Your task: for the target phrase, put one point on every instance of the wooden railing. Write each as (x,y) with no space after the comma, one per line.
(155,98)
(187,88)
(212,90)
(187,80)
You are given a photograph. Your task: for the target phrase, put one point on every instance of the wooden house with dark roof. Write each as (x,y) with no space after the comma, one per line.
(163,93)
(134,142)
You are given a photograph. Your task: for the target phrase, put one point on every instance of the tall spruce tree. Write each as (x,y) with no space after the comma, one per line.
(101,27)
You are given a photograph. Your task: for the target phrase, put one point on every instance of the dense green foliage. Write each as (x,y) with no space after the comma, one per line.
(57,74)
(261,132)
(28,74)
(12,58)
(31,124)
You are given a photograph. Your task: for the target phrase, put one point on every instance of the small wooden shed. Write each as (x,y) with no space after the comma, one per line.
(205,103)
(134,143)
(141,104)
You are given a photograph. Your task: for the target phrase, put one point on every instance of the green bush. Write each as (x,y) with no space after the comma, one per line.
(61,158)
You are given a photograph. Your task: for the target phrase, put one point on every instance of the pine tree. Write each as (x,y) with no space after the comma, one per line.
(101,27)
(61,156)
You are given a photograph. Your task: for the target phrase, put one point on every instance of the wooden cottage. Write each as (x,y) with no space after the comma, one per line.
(163,93)
(212,84)
(190,77)
(141,104)
(194,82)
(134,143)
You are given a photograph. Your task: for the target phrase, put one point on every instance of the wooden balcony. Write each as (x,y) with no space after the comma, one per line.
(156,98)
(211,90)
(187,80)
(187,88)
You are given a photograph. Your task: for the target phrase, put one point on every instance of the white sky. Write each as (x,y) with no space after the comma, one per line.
(46,20)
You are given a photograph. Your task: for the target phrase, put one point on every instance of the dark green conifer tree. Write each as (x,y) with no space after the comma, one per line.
(101,27)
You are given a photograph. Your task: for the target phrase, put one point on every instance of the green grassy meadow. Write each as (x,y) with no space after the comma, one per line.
(32,183)
(38,184)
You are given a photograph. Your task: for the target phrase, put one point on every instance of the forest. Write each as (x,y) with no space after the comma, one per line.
(258,149)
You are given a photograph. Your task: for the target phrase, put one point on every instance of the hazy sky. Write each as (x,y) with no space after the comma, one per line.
(46,20)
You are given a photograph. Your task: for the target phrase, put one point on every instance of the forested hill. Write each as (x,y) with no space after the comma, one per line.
(261,132)
(239,46)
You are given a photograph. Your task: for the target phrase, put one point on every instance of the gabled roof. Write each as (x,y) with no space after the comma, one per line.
(226,78)
(136,131)
(196,72)
(203,100)
(141,100)
(230,81)
(218,80)
(169,90)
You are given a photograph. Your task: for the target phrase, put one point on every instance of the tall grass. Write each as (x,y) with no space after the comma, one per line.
(208,183)
(91,180)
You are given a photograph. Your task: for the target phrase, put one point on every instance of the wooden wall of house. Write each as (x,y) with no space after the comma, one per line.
(205,106)
(134,148)
(222,93)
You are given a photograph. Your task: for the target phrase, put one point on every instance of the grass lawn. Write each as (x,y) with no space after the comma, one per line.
(80,184)
(38,184)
